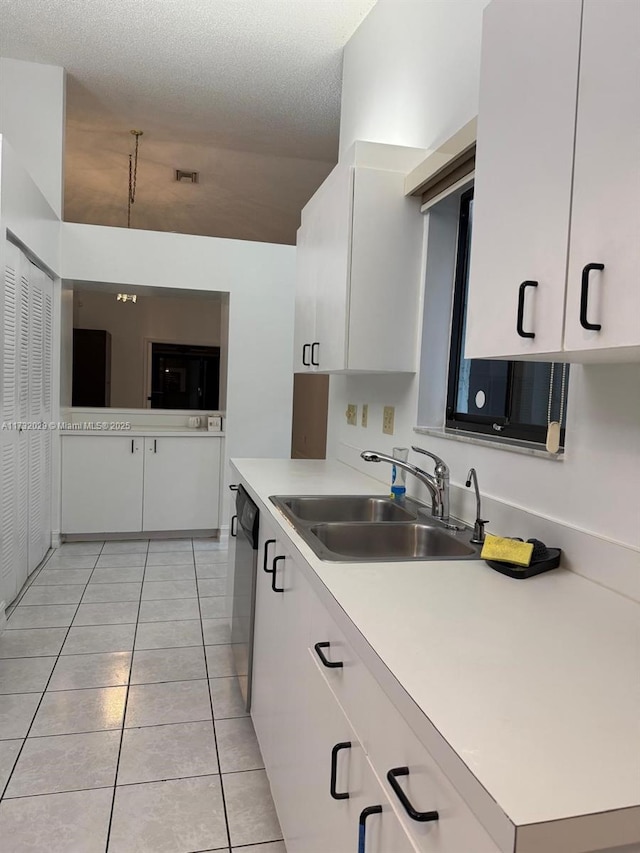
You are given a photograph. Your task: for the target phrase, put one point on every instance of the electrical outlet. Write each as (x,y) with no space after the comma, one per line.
(388,414)
(352,414)
(365,415)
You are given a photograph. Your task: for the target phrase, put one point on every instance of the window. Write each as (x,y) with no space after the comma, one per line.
(510,399)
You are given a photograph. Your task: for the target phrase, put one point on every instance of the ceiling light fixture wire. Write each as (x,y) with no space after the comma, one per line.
(133,174)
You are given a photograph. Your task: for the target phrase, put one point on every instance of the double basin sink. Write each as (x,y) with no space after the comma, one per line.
(363,528)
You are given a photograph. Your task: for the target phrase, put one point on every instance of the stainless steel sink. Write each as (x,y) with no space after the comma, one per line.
(343,508)
(379,542)
(371,528)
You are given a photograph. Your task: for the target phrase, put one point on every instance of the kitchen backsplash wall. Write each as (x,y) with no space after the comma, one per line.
(400,86)
(592,489)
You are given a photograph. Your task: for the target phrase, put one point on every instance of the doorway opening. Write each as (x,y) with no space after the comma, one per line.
(184,377)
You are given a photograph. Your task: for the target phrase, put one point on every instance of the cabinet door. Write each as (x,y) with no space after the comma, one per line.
(305,314)
(386,255)
(267,643)
(101,484)
(605,222)
(181,483)
(287,765)
(11,561)
(331,253)
(332,754)
(382,832)
(526,117)
(40,411)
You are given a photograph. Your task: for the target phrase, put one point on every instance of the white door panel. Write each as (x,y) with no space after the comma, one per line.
(181,483)
(523,177)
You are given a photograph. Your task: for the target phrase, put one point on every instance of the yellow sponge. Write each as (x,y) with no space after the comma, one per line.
(507,550)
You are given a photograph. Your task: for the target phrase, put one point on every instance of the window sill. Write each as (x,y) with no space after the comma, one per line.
(512,446)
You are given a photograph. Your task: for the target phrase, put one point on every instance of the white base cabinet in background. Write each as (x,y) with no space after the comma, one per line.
(102,484)
(120,484)
(181,483)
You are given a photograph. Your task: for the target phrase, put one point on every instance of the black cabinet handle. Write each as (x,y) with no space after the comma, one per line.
(362,826)
(155,445)
(266,552)
(234,527)
(342,795)
(413,813)
(313,349)
(305,361)
(330,664)
(584,297)
(133,445)
(273,574)
(233,487)
(521,293)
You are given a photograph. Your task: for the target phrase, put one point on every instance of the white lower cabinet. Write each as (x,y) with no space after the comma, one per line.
(120,484)
(327,729)
(342,797)
(181,483)
(101,484)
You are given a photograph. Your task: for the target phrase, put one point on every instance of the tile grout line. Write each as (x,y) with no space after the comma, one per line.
(151,726)
(114,651)
(124,710)
(29,582)
(213,716)
(135,784)
(33,719)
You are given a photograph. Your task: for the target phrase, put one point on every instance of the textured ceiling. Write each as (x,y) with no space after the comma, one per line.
(245,91)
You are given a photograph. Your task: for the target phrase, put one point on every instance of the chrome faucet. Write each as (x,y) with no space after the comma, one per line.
(478,527)
(441,478)
(437,485)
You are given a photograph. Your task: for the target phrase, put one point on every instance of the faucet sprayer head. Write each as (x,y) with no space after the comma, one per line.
(370,456)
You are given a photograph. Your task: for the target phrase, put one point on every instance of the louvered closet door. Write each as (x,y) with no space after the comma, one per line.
(26,317)
(39,407)
(9,438)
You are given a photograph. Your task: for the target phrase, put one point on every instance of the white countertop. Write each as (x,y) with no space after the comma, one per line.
(535,684)
(164,432)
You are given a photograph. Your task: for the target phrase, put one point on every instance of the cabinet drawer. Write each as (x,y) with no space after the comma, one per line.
(390,743)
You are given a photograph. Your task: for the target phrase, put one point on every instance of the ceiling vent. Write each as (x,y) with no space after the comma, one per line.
(187,177)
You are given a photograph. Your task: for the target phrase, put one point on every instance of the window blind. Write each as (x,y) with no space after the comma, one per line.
(446,167)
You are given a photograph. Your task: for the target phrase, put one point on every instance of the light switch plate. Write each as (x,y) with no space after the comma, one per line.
(365,415)
(352,414)
(388,415)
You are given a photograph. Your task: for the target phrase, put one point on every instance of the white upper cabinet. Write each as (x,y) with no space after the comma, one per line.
(605,219)
(522,198)
(556,179)
(358,266)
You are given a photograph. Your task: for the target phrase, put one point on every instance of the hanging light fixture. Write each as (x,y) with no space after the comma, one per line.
(133,174)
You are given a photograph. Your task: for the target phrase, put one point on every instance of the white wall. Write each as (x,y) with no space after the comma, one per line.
(131,325)
(32,114)
(410,73)
(406,82)
(259,278)
(25,212)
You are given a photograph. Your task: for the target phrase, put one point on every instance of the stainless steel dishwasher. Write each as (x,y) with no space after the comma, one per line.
(244,589)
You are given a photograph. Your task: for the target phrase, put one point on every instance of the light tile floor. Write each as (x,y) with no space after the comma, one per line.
(121,722)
